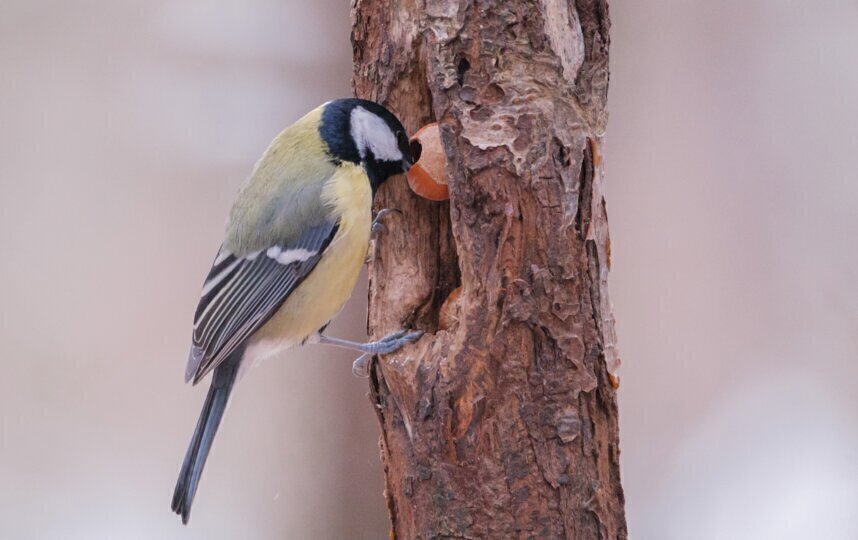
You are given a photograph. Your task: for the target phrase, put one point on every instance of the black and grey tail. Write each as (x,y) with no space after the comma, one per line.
(186,486)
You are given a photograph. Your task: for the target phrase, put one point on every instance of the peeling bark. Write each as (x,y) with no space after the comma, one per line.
(504,423)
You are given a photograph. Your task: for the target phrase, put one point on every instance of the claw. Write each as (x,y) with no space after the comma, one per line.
(388,344)
(360,367)
(396,340)
(412,336)
(394,335)
(377,225)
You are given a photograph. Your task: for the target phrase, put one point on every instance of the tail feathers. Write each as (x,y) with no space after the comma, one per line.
(189,477)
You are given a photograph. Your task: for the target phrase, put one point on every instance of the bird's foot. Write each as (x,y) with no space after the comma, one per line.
(388,344)
(392,342)
(377,225)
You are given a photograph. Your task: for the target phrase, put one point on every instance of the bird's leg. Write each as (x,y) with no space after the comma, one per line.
(387,344)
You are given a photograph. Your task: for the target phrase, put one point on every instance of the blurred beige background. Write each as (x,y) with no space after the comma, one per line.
(128,126)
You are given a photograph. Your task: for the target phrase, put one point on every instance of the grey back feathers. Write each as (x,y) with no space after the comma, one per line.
(282,199)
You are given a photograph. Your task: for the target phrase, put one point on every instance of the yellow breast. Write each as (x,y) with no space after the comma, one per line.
(326,289)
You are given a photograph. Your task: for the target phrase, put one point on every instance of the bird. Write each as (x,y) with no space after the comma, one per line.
(296,240)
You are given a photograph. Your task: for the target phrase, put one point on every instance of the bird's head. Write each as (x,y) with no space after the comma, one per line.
(364,132)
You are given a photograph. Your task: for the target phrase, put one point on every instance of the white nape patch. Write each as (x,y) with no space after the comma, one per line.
(290,255)
(370,132)
(213,282)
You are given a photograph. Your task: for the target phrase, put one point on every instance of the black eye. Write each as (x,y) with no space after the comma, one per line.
(401,139)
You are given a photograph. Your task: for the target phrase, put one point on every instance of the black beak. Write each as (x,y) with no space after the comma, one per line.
(406,165)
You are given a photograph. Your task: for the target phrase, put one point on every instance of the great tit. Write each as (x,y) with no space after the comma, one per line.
(296,240)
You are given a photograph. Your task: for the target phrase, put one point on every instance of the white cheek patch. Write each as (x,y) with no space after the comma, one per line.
(289,256)
(370,132)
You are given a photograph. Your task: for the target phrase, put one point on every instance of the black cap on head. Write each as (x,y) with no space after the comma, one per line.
(363,132)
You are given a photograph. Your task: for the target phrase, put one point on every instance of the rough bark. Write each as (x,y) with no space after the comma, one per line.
(502,421)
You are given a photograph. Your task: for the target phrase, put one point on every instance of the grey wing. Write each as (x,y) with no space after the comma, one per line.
(241,293)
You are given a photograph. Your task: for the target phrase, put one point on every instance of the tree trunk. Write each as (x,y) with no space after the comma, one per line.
(501,422)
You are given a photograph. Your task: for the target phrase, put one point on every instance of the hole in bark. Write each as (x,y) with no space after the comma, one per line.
(461,69)
(416,150)
(449,277)
(585,189)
